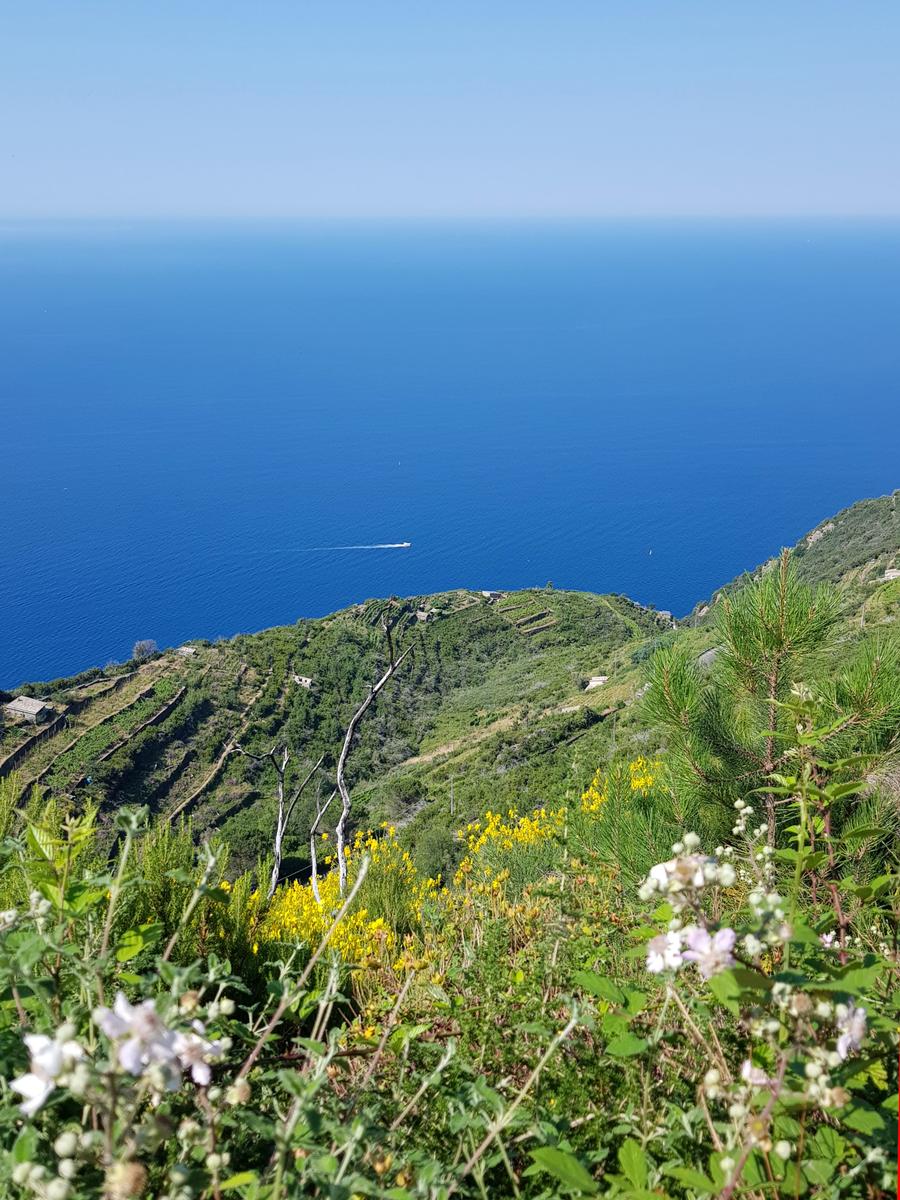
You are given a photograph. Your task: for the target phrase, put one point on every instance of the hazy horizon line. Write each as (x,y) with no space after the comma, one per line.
(345,219)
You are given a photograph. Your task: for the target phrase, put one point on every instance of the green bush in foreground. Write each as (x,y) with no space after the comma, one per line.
(728,1030)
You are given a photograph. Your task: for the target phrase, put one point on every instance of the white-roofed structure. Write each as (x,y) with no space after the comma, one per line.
(26,708)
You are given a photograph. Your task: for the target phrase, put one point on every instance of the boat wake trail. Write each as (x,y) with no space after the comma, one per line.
(370,546)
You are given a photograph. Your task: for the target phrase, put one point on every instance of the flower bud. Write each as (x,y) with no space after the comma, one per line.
(238,1093)
(784,1150)
(66,1144)
(125,1180)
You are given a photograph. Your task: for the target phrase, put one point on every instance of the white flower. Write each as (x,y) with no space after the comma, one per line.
(38,905)
(195,1054)
(677,875)
(753,945)
(711,953)
(8,918)
(827,939)
(755,1076)
(726,875)
(664,953)
(851,1021)
(50,1057)
(140,1032)
(712,1083)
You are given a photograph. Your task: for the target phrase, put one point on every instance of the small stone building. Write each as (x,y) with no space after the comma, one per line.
(26,708)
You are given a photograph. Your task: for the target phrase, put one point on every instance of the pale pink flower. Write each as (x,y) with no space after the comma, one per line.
(195,1054)
(711,953)
(755,1076)
(851,1021)
(139,1031)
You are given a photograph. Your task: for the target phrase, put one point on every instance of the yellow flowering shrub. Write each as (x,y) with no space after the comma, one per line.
(296,916)
(643,772)
(391,929)
(366,936)
(595,794)
(497,832)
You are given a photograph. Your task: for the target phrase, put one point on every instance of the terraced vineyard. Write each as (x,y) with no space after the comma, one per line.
(490,708)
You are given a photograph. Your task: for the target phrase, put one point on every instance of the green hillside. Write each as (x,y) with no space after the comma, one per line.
(616,914)
(492,707)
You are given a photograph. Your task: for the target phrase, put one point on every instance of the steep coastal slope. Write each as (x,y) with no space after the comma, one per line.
(500,702)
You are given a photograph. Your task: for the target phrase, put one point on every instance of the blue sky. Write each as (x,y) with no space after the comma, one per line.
(418,109)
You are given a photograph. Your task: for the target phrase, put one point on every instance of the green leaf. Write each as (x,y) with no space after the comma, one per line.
(802,933)
(633,1163)
(25,1146)
(566,1168)
(692,1178)
(614,1024)
(829,1144)
(40,842)
(597,985)
(635,1002)
(133,941)
(865,833)
(853,979)
(864,1119)
(310,1044)
(726,990)
(240,1180)
(625,1045)
(819,1170)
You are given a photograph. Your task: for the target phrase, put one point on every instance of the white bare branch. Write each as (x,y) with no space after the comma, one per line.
(341,827)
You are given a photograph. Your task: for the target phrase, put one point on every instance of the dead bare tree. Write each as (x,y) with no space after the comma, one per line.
(279,756)
(314,829)
(340,831)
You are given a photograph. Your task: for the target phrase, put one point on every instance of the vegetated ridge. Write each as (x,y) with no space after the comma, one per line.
(494,706)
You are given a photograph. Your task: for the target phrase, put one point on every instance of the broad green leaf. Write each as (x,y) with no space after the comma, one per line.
(635,1002)
(864,1119)
(633,1163)
(566,1168)
(692,1178)
(597,985)
(829,1144)
(853,979)
(625,1045)
(133,941)
(819,1170)
(726,990)
(242,1179)
(613,1024)
(40,842)
(25,1146)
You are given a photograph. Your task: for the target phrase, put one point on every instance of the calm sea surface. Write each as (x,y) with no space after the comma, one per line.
(188,415)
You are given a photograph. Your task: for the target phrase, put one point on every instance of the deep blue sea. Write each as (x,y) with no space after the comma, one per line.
(187,414)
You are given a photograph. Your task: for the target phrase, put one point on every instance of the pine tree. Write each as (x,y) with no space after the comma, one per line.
(728,729)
